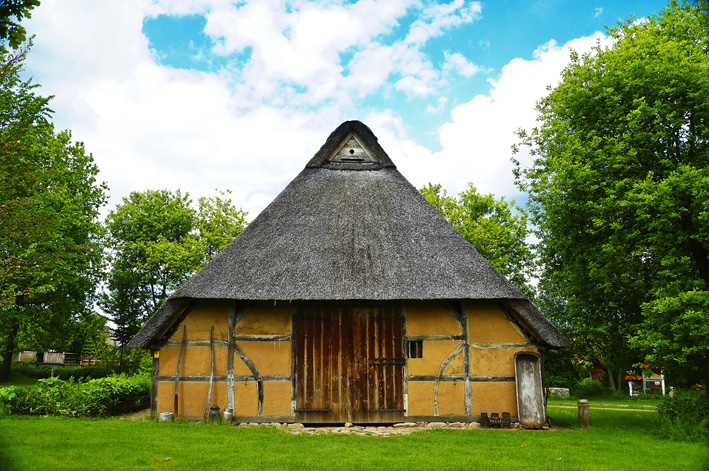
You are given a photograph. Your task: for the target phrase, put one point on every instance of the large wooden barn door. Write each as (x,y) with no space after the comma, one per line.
(349,364)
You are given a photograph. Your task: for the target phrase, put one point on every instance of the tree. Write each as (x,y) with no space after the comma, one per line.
(497,229)
(49,228)
(619,193)
(159,241)
(10,29)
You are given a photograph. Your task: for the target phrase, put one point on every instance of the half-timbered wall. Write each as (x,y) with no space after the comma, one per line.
(247,358)
(458,361)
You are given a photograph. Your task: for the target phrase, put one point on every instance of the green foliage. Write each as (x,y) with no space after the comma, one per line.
(54,396)
(559,371)
(619,192)
(496,228)
(7,396)
(681,346)
(590,388)
(159,241)
(11,14)
(128,361)
(78,373)
(685,417)
(50,233)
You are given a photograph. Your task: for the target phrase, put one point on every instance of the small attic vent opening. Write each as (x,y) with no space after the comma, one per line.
(351,150)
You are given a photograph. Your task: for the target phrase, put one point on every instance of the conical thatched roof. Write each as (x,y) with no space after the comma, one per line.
(348,227)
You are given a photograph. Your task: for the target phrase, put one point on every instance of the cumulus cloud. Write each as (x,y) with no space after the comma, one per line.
(439,106)
(477,141)
(436,18)
(252,130)
(457,63)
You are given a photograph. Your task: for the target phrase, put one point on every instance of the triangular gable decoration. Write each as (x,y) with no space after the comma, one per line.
(351,150)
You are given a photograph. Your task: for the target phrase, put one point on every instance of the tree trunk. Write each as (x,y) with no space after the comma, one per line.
(611,380)
(8,350)
(11,342)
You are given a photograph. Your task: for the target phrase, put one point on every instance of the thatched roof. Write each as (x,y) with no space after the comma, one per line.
(348,227)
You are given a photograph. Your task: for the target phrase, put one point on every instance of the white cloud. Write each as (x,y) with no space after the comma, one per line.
(150,126)
(439,106)
(476,143)
(597,12)
(456,62)
(436,18)
(299,43)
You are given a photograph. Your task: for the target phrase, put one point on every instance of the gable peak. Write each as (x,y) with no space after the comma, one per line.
(352,146)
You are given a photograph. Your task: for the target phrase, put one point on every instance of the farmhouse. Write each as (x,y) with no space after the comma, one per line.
(349,299)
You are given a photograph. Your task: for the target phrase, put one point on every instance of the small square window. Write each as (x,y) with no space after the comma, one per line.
(415,348)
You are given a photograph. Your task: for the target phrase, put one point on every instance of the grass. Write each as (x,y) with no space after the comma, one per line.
(617,440)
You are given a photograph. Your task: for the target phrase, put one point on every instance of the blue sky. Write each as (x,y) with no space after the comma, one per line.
(213,94)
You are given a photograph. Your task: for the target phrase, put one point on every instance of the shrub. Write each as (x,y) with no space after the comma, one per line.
(54,396)
(83,373)
(24,370)
(62,372)
(589,388)
(684,418)
(128,361)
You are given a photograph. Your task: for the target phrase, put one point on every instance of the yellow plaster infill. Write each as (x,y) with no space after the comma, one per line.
(430,318)
(199,322)
(434,353)
(269,357)
(488,324)
(420,400)
(276,398)
(492,362)
(451,398)
(246,399)
(195,361)
(192,397)
(266,319)
(493,397)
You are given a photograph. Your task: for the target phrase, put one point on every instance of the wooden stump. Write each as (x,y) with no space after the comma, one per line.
(584,413)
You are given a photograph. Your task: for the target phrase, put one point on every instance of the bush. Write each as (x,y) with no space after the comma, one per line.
(24,370)
(62,372)
(128,361)
(684,418)
(54,396)
(83,373)
(589,388)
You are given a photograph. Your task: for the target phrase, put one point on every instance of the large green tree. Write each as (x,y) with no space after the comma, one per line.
(158,241)
(619,192)
(50,250)
(495,227)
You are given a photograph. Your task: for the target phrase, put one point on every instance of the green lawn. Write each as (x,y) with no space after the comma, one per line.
(619,440)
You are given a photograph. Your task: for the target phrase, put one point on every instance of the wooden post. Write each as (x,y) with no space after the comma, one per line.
(584,413)
(154,384)
(179,361)
(211,373)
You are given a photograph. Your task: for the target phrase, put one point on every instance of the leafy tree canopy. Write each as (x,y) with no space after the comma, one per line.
(158,241)
(619,192)
(496,228)
(11,13)
(50,235)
